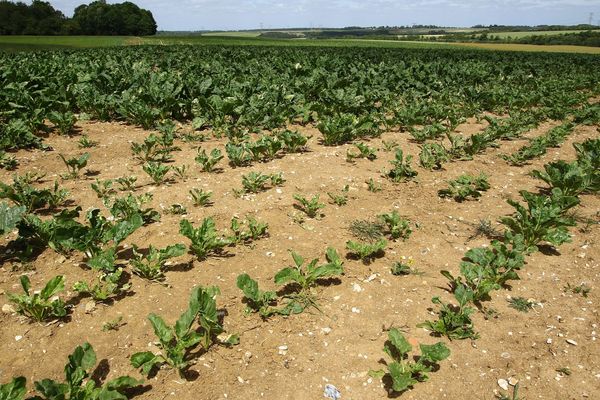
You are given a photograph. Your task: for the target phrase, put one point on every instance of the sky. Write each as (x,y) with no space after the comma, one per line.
(190,15)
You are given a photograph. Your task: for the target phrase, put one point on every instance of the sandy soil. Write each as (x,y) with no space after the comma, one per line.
(343,342)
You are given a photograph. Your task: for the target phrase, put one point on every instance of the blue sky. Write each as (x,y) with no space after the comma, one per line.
(250,14)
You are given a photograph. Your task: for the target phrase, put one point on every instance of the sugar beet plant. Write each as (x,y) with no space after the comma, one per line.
(177,342)
(205,239)
(152,263)
(43,305)
(403,372)
(402,169)
(466,186)
(78,384)
(301,278)
(543,219)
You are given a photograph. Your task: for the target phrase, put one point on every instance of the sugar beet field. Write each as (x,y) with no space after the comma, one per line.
(205,222)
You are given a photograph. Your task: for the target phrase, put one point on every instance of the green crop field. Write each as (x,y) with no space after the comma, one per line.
(504,35)
(235,218)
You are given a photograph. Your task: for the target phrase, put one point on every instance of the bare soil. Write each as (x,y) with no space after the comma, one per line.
(340,343)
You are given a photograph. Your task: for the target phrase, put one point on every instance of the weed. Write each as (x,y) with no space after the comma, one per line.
(520,304)
(581,289)
(113,325)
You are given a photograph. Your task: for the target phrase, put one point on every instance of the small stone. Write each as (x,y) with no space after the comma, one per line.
(326,330)
(513,381)
(240,379)
(18,337)
(549,341)
(355,310)
(90,306)
(356,288)
(503,383)
(505,355)
(8,309)
(572,342)
(283,350)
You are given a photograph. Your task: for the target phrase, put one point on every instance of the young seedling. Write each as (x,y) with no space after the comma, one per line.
(256,299)
(238,154)
(177,342)
(200,197)
(77,371)
(454,322)
(74,165)
(389,145)
(124,208)
(127,183)
(373,186)
(305,278)
(103,189)
(107,286)
(400,268)
(364,151)
(113,325)
(43,305)
(204,239)
(402,170)
(433,156)
(181,172)
(85,142)
(293,141)
(208,162)
(176,209)
(398,227)
(367,251)
(7,162)
(255,231)
(465,186)
(157,171)
(255,182)
(152,264)
(64,122)
(340,199)
(310,207)
(403,372)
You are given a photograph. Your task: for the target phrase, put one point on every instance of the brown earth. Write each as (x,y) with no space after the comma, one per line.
(340,344)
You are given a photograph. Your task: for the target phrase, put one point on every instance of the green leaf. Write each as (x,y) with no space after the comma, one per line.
(248,286)
(53,286)
(9,217)
(139,359)
(25,284)
(122,382)
(15,390)
(435,352)
(162,331)
(298,260)
(401,379)
(399,342)
(286,275)
(377,374)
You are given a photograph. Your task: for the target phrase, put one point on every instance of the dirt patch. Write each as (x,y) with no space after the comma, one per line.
(340,344)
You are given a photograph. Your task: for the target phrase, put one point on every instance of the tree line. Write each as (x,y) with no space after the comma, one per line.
(96,18)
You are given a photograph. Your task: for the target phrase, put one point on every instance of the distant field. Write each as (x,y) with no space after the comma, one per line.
(504,35)
(31,43)
(19,43)
(233,34)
